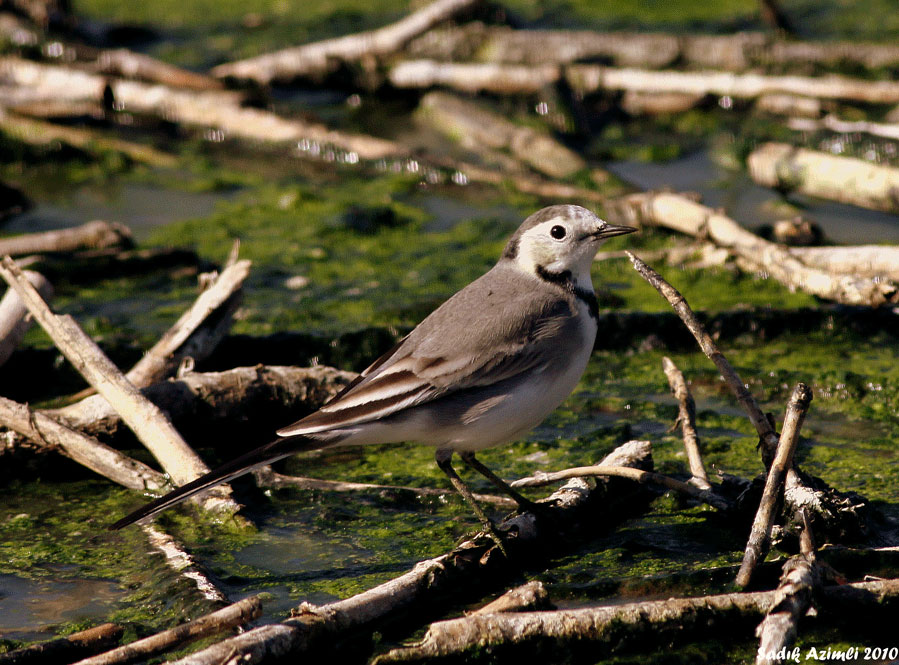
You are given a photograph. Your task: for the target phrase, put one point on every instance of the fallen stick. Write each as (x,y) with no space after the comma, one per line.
(638,475)
(603,631)
(799,583)
(473,77)
(834,124)
(870,261)
(453,575)
(687,419)
(587,79)
(530,596)
(129,64)
(678,212)
(790,105)
(232,616)
(767,435)
(320,58)
(219,109)
(182,339)
(757,545)
(39,133)
(740,51)
(475,127)
(66,649)
(92,235)
(14,319)
(200,401)
(503,44)
(265,477)
(820,174)
(143,417)
(183,563)
(87,451)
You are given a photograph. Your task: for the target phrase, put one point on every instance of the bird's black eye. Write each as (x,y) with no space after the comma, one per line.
(557,232)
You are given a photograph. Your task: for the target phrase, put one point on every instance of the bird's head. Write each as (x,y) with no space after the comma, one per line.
(560,238)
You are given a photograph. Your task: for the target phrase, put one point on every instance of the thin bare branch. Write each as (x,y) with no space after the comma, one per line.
(757,546)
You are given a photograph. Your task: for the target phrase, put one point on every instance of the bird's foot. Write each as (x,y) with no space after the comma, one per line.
(493,533)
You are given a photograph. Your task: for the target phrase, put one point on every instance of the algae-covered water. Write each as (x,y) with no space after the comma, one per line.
(338,249)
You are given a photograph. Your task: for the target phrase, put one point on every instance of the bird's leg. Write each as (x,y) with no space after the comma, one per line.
(524,504)
(444,457)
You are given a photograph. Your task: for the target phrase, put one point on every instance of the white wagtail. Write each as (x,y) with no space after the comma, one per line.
(485,367)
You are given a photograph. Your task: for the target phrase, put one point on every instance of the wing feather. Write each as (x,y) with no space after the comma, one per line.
(515,333)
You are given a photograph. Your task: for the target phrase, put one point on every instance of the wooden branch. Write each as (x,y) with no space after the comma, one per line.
(92,235)
(265,477)
(503,44)
(834,124)
(475,127)
(453,575)
(39,133)
(202,400)
(530,596)
(142,416)
(87,451)
(870,261)
(790,105)
(757,546)
(320,58)
(14,319)
(607,630)
(182,340)
(218,109)
(799,583)
(827,176)
(740,51)
(473,77)
(728,373)
(678,212)
(66,649)
(687,419)
(638,475)
(587,79)
(128,64)
(232,616)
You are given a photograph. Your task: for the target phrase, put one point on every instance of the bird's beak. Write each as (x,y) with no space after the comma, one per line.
(610,231)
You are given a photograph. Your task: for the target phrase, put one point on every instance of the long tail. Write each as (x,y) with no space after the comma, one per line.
(270,452)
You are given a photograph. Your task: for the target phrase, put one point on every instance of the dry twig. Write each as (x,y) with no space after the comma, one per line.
(638,475)
(237,614)
(728,373)
(142,416)
(92,235)
(687,419)
(320,58)
(65,649)
(821,174)
(14,319)
(678,212)
(757,546)
(87,451)
(452,574)
(799,582)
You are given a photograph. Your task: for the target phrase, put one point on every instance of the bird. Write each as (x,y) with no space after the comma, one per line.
(484,368)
